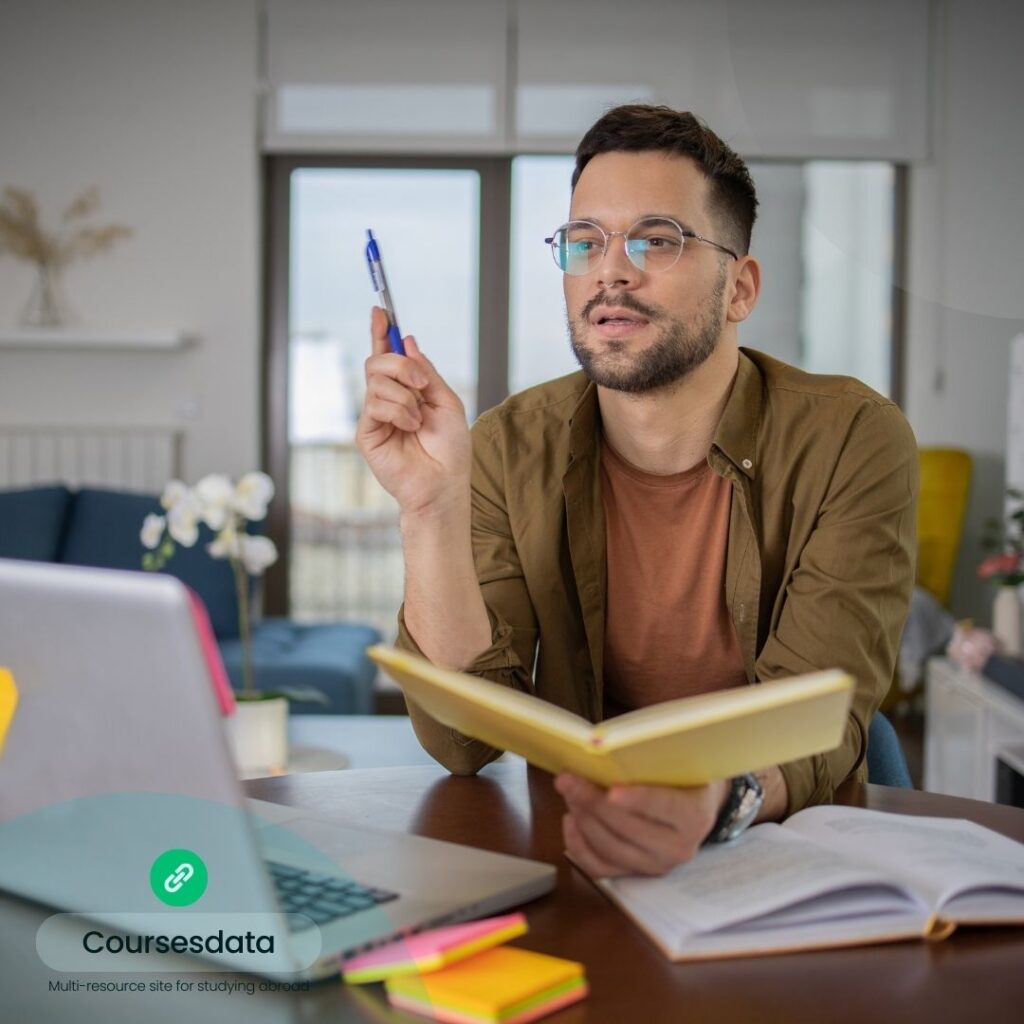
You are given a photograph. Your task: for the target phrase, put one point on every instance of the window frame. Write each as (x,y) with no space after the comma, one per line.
(492,313)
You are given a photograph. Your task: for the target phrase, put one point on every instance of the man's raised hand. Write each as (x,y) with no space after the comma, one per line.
(412,430)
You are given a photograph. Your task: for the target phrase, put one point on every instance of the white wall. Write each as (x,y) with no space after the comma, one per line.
(154,102)
(966,249)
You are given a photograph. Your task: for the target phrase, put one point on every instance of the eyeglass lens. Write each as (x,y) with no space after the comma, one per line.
(652,244)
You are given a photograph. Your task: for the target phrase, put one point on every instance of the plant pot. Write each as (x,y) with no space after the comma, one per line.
(258,734)
(1006,616)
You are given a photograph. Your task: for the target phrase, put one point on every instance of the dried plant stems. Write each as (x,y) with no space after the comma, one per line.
(25,238)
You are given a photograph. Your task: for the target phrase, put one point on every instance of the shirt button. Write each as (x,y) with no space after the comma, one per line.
(747,464)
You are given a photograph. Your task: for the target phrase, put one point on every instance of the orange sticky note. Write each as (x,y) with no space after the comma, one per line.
(500,986)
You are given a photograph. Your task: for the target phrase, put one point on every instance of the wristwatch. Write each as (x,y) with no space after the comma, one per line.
(744,801)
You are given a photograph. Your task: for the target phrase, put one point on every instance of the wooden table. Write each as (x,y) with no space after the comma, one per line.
(977,975)
(365,741)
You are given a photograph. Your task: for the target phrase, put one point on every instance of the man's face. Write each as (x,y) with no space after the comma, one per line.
(632,330)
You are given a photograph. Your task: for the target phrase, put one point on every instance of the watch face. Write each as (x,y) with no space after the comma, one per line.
(745,800)
(750,803)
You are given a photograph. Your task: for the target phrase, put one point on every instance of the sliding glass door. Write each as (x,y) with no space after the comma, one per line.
(337,528)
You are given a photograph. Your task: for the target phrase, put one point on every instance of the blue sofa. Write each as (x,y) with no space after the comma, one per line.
(101,528)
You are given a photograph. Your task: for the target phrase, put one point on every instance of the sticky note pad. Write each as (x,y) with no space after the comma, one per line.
(430,950)
(501,986)
(8,702)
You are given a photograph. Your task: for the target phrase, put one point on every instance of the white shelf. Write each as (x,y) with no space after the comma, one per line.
(73,338)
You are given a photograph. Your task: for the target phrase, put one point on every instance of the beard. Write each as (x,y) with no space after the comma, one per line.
(676,352)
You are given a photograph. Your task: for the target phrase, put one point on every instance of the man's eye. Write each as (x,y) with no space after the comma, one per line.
(661,242)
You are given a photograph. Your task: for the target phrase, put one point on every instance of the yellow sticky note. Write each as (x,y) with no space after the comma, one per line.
(8,702)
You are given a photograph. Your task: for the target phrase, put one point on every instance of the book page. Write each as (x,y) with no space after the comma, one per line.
(937,858)
(765,870)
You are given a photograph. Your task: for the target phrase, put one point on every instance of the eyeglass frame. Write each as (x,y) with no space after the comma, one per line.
(609,235)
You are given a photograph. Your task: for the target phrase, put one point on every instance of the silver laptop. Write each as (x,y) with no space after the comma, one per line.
(119,802)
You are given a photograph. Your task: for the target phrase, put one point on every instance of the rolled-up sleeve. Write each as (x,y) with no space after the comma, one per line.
(509,659)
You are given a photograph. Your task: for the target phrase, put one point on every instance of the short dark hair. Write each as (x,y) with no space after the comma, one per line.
(639,127)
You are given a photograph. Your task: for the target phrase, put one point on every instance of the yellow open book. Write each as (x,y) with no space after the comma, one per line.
(685,742)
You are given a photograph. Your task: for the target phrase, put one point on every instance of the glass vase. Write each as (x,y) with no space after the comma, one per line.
(46,306)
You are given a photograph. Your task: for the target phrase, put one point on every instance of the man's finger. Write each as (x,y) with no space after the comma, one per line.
(436,392)
(395,367)
(582,796)
(388,390)
(584,799)
(582,855)
(620,851)
(379,413)
(656,802)
(413,369)
(669,840)
(678,807)
(581,791)
(661,845)
(379,331)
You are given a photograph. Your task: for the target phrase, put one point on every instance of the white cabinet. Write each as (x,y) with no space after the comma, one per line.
(971,726)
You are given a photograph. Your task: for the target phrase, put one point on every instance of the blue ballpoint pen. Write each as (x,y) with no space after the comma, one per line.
(380,285)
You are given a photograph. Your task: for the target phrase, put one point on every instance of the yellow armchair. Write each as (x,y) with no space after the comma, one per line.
(941,508)
(945,481)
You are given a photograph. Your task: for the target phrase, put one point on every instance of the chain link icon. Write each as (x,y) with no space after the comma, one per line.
(181,874)
(178,877)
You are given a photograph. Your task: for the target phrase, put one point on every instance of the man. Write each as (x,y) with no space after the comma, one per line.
(681,516)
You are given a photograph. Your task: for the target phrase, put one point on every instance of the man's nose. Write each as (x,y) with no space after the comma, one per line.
(616,268)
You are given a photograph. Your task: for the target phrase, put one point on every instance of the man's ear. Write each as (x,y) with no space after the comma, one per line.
(746,287)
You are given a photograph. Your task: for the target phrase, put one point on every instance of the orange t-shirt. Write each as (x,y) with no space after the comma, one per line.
(668,632)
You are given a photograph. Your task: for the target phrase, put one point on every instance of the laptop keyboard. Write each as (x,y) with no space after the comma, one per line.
(308,896)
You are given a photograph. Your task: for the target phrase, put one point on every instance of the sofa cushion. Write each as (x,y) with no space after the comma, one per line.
(32,522)
(330,656)
(103,530)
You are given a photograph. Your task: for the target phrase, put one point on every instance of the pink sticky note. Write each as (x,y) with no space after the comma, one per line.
(431,950)
(211,654)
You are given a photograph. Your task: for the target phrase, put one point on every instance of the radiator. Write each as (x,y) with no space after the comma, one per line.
(128,458)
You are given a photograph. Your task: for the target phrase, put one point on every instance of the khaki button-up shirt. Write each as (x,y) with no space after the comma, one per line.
(819,567)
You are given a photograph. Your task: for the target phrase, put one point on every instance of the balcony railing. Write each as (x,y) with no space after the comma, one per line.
(346,548)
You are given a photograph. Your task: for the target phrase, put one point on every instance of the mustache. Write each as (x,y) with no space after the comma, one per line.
(624,301)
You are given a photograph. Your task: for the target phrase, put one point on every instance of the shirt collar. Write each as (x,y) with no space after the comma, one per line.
(736,434)
(583,423)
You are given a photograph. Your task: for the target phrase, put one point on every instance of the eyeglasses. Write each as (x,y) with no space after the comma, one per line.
(652,244)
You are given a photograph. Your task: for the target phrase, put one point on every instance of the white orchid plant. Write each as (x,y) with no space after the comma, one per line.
(225,507)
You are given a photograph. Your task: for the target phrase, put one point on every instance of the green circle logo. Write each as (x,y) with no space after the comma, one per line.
(178,878)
